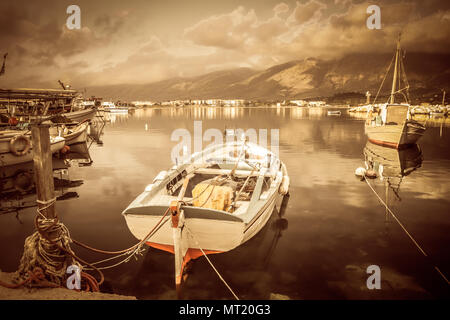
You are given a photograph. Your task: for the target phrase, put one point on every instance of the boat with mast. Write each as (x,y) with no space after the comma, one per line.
(392,125)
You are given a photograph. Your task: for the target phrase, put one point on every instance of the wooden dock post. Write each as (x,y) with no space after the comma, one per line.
(42,249)
(43,169)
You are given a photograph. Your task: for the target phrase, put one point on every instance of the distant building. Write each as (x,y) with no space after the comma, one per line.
(299,103)
(143,103)
(317,103)
(233,102)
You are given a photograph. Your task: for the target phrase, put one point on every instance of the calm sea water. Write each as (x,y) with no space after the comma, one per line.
(319,247)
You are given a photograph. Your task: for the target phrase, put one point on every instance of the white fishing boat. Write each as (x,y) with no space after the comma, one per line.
(16,146)
(81,114)
(113,108)
(392,126)
(72,133)
(415,110)
(217,200)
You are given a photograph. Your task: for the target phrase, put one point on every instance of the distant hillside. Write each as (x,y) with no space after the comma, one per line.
(427,75)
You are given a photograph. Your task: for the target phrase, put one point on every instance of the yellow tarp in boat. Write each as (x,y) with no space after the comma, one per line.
(212,196)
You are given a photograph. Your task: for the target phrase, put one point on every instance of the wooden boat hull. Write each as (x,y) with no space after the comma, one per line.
(212,235)
(78,134)
(8,158)
(81,115)
(77,137)
(395,136)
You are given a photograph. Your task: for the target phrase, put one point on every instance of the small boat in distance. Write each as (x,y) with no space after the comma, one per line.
(217,199)
(113,108)
(392,126)
(334,113)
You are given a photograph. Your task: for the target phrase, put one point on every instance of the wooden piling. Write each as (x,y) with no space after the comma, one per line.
(43,169)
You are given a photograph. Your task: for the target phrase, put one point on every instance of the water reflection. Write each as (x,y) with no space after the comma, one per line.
(392,163)
(336,225)
(95,130)
(116,118)
(391,166)
(17,187)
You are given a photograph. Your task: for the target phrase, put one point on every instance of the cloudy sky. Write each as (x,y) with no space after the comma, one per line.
(142,41)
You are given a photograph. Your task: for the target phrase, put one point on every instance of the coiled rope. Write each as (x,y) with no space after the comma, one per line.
(42,263)
(44,226)
(406,231)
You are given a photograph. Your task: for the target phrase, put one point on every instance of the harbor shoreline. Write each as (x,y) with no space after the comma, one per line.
(25,293)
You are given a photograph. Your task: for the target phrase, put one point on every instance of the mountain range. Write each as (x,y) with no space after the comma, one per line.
(427,74)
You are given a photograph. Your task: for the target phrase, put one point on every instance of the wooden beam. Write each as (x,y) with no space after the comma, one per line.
(43,170)
(242,173)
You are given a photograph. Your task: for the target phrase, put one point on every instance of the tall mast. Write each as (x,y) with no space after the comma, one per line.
(394,80)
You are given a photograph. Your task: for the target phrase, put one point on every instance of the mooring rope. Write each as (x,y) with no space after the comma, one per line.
(45,225)
(209,261)
(406,231)
(130,253)
(124,250)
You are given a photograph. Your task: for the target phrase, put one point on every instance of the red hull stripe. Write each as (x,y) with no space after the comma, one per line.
(385,143)
(190,254)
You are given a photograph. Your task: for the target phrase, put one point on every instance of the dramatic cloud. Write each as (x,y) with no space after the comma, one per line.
(305,12)
(125,43)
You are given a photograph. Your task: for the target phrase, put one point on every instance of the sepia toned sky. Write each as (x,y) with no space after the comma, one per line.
(142,41)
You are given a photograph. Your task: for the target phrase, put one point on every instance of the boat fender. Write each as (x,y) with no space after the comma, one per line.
(15,142)
(13,121)
(371,174)
(160,176)
(360,172)
(65,149)
(284,186)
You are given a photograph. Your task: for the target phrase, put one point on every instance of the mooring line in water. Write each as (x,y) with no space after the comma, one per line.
(209,261)
(129,253)
(406,231)
(124,250)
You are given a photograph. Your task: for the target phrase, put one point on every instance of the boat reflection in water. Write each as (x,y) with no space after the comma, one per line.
(17,188)
(96,130)
(392,165)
